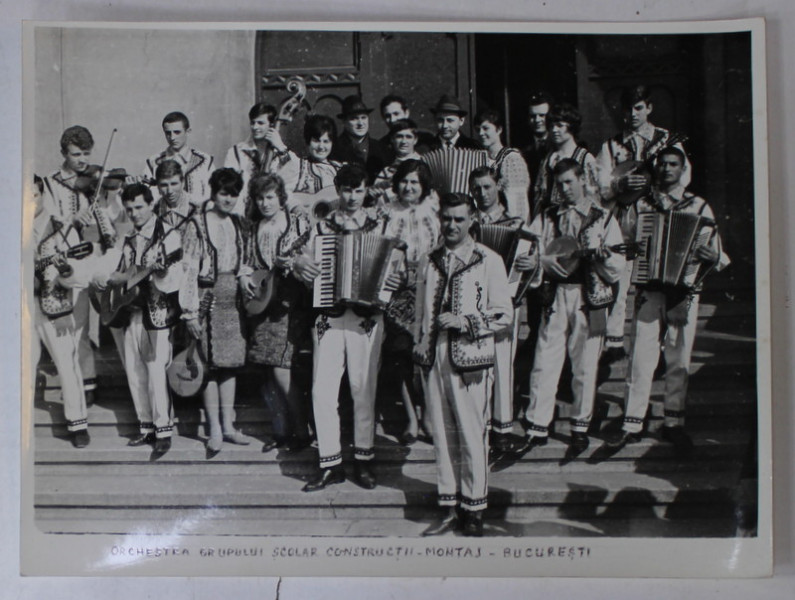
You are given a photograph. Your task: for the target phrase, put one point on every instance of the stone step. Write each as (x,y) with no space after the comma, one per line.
(109,446)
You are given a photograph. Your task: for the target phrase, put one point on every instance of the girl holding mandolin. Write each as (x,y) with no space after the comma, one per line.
(279,307)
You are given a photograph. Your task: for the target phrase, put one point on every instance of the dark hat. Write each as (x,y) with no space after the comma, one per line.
(449,104)
(114,179)
(353,105)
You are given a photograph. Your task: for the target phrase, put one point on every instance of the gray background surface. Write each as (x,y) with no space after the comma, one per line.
(780,15)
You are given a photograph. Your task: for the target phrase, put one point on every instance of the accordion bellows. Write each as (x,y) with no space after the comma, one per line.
(354,268)
(667,242)
(450,168)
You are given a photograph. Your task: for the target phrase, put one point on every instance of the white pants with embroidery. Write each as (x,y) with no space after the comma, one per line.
(564,329)
(459,410)
(61,338)
(349,342)
(649,327)
(502,400)
(147,354)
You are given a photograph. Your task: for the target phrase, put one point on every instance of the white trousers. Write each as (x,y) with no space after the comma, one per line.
(564,329)
(459,410)
(82,309)
(147,354)
(618,314)
(349,342)
(60,337)
(502,399)
(649,328)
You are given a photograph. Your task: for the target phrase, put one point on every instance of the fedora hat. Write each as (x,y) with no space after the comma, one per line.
(449,104)
(353,105)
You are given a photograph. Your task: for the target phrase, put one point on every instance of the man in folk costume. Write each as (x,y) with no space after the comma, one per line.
(147,347)
(639,142)
(463,300)
(348,339)
(197,166)
(576,301)
(174,206)
(53,316)
(251,157)
(485,189)
(67,197)
(666,312)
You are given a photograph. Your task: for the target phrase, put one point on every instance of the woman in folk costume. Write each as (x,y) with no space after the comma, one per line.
(507,163)
(215,260)
(412,217)
(311,178)
(275,334)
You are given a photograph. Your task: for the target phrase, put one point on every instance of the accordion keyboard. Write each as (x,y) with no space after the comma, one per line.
(326,258)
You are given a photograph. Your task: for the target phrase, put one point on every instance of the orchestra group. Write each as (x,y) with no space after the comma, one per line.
(419,246)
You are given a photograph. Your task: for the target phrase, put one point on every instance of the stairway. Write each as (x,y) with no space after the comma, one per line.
(643,490)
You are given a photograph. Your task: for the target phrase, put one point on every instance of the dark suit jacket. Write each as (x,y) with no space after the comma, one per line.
(377,156)
(462,142)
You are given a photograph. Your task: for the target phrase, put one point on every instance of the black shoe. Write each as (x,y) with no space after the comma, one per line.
(683,445)
(364,475)
(528,444)
(473,523)
(449,523)
(500,443)
(162,445)
(579,441)
(141,439)
(622,438)
(408,439)
(81,439)
(325,478)
(272,444)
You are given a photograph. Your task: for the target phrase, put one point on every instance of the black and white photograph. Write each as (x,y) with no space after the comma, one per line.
(381,299)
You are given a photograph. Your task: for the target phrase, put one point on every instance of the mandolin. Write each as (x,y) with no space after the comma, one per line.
(187,371)
(265,281)
(569,252)
(116,298)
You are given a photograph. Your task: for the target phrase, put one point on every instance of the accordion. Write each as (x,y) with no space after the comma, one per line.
(510,241)
(354,268)
(667,242)
(450,167)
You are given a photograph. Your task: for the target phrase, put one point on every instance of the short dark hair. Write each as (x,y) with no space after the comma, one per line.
(540,97)
(674,151)
(453,199)
(631,96)
(484,171)
(168,169)
(76,135)
(265,183)
(316,125)
(350,175)
(414,166)
(565,165)
(132,191)
(402,124)
(491,116)
(176,117)
(39,183)
(565,113)
(389,99)
(262,108)
(226,180)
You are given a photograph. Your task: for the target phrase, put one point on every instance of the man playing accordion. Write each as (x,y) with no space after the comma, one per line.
(666,311)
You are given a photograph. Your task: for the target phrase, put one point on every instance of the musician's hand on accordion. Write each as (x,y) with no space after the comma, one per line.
(526,262)
(448,320)
(394,282)
(706,254)
(305,269)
